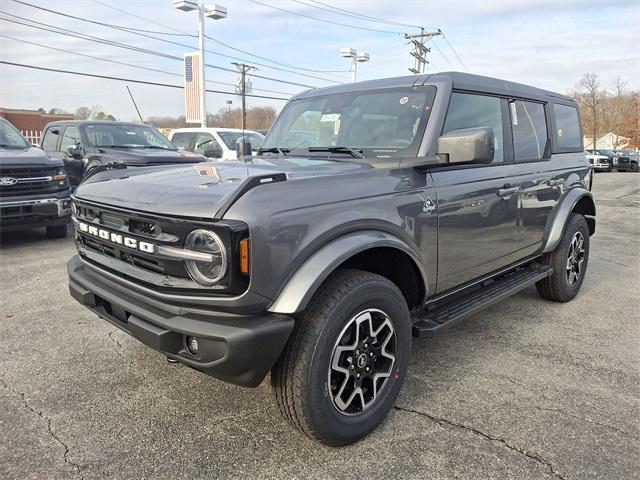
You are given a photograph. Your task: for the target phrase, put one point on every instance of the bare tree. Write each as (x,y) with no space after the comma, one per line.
(590,95)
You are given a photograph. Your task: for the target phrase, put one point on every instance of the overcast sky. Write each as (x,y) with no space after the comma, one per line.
(549,44)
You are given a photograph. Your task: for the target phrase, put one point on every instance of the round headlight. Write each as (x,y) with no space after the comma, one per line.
(206,272)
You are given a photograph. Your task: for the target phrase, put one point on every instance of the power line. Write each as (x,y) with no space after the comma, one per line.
(139,33)
(454,51)
(446,59)
(129,64)
(322,19)
(92,38)
(349,13)
(226,45)
(131,80)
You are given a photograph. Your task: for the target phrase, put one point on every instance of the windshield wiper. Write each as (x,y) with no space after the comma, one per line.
(12,147)
(157,147)
(351,151)
(115,146)
(281,151)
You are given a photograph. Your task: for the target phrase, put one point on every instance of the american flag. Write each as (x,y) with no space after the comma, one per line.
(192,85)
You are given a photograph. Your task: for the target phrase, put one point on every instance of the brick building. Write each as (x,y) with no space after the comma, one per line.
(31,122)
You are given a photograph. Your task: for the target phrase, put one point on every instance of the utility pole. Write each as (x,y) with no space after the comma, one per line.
(243,68)
(419,52)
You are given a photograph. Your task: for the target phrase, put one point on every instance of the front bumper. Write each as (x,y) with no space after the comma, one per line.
(18,213)
(236,349)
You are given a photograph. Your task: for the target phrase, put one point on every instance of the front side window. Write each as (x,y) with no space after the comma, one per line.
(10,137)
(382,123)
(113,135)
(71,137)
(205,142)
(468,110)
(530,138)
(230,139)
(567,126)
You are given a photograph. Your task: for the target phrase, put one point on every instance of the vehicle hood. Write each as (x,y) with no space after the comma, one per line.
(198,190)
(27,157)
(141,157)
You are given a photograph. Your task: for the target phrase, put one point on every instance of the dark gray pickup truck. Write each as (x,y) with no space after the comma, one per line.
(374,211)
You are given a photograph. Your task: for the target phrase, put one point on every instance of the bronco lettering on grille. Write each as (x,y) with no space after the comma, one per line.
(116,238)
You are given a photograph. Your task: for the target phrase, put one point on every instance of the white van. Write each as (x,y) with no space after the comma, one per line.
(214,142)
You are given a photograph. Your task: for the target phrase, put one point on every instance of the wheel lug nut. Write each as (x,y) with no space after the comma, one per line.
(352,367)
(367,369)
(357,352)
(357,375)
(371,354)
(366,345)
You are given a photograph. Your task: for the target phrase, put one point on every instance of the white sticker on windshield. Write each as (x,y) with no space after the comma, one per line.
(404,100)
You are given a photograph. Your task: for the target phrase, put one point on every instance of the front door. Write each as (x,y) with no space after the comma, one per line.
(71,148)
(477,204)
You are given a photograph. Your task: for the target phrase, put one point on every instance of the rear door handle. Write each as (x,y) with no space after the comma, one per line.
(507,191)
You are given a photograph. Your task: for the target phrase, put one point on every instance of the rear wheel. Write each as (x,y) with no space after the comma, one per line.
(346,359)
(57,231)
(633,166)
(569,261)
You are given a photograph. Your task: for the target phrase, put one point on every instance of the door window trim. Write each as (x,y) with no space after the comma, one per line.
(506,159)
(545,106)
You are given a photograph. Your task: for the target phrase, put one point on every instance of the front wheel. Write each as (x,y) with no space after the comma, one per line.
(569,261)
(633,167)
(346,359)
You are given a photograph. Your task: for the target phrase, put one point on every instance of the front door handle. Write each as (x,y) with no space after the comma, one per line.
(507,191)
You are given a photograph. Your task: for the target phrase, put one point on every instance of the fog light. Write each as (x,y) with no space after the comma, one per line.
(192,345)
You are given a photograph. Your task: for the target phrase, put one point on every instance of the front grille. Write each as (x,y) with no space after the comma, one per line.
(149,269)
(30,181)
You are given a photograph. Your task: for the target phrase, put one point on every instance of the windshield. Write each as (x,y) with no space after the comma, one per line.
(10,137)
(129,136)
(382,123)
(230,139)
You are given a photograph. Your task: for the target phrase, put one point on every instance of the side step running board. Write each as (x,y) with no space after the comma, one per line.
(428,321)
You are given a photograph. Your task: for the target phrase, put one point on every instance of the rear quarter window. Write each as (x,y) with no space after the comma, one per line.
(567,127)
(182,139)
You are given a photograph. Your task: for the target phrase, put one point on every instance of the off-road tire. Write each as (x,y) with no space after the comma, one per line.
(610,168)
(557,287)
(300,377)
(57,231)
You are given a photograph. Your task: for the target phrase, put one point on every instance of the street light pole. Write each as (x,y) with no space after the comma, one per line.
(203,89)
(214,12)
(356,57)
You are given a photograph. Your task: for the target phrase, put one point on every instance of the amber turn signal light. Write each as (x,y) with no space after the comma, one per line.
(244,256)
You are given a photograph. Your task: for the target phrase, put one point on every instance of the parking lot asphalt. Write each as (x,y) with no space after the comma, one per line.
(526,389)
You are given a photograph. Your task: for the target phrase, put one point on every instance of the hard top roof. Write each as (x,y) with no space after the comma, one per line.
(459,81)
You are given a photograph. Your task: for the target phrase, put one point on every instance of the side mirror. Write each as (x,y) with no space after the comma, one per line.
(75,151)
(213,152)
(468,145)
(243,147)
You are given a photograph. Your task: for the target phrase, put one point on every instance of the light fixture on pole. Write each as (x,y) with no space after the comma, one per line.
(214,12)
(356,57)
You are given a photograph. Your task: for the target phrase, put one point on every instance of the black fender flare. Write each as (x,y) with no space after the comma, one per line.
(304,283)
(557,220)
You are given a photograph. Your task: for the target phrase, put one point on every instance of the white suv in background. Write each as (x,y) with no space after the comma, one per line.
(214,142)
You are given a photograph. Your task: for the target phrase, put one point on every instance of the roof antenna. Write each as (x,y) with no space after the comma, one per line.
(134,104)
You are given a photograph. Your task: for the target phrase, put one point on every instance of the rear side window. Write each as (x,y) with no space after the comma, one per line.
(50,140)
(530,135)
(182,140)
(567,126)
(469,111)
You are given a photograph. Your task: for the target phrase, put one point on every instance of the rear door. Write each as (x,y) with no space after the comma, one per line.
(477,204)
(541,180)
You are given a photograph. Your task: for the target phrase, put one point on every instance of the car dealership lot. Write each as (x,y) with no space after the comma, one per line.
(527,389)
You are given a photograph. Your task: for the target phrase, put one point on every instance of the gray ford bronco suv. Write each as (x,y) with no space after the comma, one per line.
(374,211)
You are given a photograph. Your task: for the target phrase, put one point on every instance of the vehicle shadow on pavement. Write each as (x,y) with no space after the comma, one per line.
(25,238)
